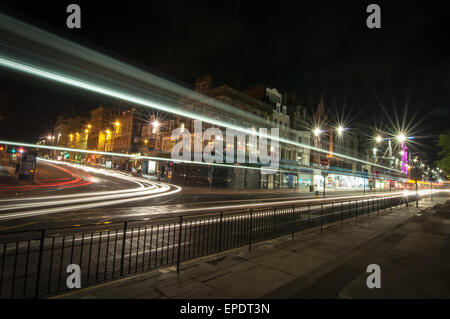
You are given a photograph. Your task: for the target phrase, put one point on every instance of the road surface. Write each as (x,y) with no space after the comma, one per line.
(106,197)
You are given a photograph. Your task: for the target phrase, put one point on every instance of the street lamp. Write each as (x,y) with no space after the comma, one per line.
(340,130)
(378,139)
(117,125)
(155,124)
(401,138)
(317,131)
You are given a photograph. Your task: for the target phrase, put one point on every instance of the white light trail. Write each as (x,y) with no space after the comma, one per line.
(10,63)
(73,202)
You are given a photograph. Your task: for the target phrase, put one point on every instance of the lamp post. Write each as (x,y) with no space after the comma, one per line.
(157,125)
(317,131)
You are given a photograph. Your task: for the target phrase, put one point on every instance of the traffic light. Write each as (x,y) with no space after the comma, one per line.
(13,151)
(66,155)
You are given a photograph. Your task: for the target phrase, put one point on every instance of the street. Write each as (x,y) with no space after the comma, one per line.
(91,195)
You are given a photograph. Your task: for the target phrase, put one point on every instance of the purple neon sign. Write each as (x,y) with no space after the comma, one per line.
(404,158)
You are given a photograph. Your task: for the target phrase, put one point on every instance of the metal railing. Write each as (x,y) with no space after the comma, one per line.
(33,263)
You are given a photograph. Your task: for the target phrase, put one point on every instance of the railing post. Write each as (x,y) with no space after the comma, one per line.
(179,244)
(274,229)
(220,231)
(373,204)
(39,264)
(342,213)
(309,216)
(293,221)
(431,194)
(368,208)
(122,255)
(356,205)
(332,210)
(321,217)
(250,231)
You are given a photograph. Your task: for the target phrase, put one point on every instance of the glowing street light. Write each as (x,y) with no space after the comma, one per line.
(378,139)
(340,130)
(401,138)
(155,124)
(317,131)
(117,123)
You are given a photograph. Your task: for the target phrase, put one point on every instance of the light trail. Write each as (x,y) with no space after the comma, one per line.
(76,150)
(86,201)
(113,174)
(67,149)
(75,181)
(54,42)
(314,201)
(143,102)
(61,209)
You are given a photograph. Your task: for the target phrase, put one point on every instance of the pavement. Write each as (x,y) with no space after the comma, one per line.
(411,245)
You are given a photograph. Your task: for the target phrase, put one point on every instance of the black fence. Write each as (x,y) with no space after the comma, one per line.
(34,263)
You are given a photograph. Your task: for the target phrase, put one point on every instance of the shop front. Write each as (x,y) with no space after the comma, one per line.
(338,182)
(304,181)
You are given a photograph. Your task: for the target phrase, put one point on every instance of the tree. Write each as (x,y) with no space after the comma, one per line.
(444,154)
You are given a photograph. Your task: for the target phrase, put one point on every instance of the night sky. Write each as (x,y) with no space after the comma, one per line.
(313,49)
